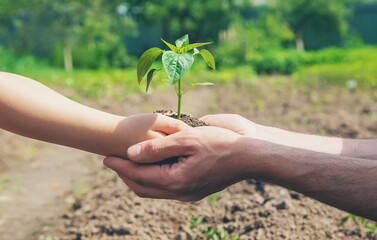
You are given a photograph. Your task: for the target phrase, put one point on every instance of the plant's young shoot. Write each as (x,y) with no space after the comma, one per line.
(177,62)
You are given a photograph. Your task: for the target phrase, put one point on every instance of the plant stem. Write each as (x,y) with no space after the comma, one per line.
(179,98)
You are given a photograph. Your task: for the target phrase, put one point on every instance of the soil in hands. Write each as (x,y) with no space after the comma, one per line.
(186,118)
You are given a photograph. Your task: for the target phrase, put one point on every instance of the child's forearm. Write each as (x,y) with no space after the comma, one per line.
(31,109)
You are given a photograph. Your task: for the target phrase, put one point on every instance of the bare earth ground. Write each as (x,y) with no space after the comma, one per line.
(39,196)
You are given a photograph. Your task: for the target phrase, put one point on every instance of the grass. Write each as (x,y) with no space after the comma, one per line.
(89,83)
(370,227)
(80,191)
(213,199)
(333,66)
(43,237)
(4,184)
(363,73)
(117,83)
(206,232)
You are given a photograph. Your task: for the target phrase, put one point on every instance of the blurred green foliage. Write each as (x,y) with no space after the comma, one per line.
(364,74)
(91,83)
(39,37)
(289,61)
(202,20)
(245,38)
(86,34)
(323,14)
(92,33)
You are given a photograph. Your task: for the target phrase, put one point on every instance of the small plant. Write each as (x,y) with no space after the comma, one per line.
(213,199)
(369,228)
(80,191)
(194,222)
(177,63)
(209,233)
(216,234)
(5,183)
(43,237)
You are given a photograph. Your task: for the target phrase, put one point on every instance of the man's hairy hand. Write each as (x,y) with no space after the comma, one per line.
(208,160)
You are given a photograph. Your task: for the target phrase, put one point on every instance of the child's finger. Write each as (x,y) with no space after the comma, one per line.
(168,125)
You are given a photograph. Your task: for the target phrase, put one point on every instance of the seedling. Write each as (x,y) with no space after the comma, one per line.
(194,222)
(43,237)
(207,232)
(5,183)
(177,63)
(369,228)
(213,199)
(80,191)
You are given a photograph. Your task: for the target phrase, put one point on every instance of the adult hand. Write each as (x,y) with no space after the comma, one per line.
(209,159)
(233,122)
(245,127)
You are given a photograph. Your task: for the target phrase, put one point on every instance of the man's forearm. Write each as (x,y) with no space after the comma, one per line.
(361,148)
(332,179)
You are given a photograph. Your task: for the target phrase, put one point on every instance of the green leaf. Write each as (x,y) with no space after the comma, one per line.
(235,237)
(150,76)
(176,65)
(368,229)
(193,46)
(207,56)
(223,234)
(204,229)
(199,220)
(188,235)
(182,42)
(343,220)
(145,62)
(171,46)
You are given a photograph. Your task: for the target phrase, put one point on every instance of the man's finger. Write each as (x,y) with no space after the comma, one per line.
(147,192)
(155,176)
(156,150)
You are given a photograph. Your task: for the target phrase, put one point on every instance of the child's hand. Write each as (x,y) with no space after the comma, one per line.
(141,127)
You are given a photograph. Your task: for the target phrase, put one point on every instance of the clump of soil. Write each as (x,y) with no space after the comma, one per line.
(186,118)
(252,209)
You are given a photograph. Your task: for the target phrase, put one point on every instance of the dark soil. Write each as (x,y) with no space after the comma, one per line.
(252,209)
(186,118)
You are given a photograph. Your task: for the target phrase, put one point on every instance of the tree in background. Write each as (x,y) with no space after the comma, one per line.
(202,20)
(321,14)
(244,39)
(87,33)
(91,33)
(92,28)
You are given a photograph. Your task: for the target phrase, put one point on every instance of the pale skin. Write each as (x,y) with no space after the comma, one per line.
(31,109)
(339,172)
